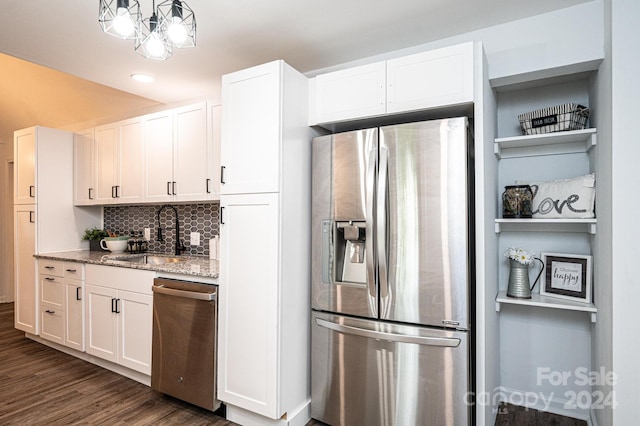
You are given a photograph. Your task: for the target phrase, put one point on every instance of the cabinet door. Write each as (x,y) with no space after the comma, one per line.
(215,135)
(250,151)
(83,168)
(74,321)
(431,79)
(101,322)
(25,269)
(136,321)
(248,366)
(24,154)
(191,153)
(52,324)
(159,157)
(106,151)
(52,292)
(130,185)
(352,93)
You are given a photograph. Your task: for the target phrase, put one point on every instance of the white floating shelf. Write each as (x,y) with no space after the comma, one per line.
(547,302)
(549,225)
(545,144)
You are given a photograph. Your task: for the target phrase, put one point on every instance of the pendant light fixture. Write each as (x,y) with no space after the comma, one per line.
(152,41)
(172,24)
(120,18)
(179,23)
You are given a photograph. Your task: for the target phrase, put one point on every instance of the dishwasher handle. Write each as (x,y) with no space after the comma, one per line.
(161,289)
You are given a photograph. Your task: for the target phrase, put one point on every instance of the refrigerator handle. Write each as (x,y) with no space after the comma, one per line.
(369,252)
(381,232)
(450,342)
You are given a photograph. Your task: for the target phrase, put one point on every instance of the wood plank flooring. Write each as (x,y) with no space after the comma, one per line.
(40,385)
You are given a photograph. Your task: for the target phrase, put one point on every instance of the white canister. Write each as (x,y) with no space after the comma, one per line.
(213,247)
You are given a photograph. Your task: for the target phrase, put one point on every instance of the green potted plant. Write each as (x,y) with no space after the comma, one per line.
(94,235)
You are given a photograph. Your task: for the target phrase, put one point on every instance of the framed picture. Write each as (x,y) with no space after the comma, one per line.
(567,276)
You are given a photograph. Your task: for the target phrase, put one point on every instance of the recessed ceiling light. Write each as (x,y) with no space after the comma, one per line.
(143,78)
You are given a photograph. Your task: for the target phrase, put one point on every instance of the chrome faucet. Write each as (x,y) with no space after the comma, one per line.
(179,245)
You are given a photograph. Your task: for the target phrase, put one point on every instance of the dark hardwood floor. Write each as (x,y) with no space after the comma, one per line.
(40,385)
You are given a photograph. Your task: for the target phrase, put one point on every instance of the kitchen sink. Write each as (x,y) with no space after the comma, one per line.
(150,259)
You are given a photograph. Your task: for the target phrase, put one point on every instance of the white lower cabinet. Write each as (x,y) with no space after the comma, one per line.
(61,307)
(118,316)
(74,318)
(249,304)
(26,293)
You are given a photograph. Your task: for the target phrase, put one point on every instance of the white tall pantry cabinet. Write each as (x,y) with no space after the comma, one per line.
(45,218)
(265,244)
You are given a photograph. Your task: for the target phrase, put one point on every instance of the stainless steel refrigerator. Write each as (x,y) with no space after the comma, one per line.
(392,275)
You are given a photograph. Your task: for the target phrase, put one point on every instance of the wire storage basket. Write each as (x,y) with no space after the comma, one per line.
(559,118)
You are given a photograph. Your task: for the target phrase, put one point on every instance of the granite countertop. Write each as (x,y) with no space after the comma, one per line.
(193,265)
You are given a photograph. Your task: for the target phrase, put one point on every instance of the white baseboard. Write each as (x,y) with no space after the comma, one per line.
(547,403)
(299,417)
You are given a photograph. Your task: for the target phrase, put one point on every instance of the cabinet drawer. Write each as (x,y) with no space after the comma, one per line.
(50,267)
(73,270)
(52,325)
(52,292)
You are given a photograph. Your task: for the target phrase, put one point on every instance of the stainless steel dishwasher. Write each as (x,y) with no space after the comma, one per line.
(185,324)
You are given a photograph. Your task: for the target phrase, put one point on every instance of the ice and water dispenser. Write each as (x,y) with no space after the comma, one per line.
(344,252)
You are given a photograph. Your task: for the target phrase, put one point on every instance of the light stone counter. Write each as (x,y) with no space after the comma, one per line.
(198,266)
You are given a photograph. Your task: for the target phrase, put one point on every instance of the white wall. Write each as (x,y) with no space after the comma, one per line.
(625,143)
(6,222)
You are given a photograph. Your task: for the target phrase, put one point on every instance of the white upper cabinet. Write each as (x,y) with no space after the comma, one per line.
(168,156)
(84,168)
(106,151)
(180,155)
(119,151)
(24,153)
(352,93)
(437,78)
(131,161)
(431,79)
(251,125)
(159,155)
(192,155)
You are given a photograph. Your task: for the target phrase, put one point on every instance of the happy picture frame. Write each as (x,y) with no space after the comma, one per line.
(567,276)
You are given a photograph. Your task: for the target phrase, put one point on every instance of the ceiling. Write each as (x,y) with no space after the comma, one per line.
(84,74)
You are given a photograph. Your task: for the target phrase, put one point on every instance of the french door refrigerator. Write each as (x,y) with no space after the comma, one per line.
(392,275)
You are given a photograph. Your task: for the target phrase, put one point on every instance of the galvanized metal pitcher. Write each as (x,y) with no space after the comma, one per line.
(519,279)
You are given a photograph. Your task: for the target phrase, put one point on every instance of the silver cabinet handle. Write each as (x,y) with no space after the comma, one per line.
(183,293)
(391,337)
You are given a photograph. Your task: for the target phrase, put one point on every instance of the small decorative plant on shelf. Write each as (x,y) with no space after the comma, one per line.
(519,262)
(94,235)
